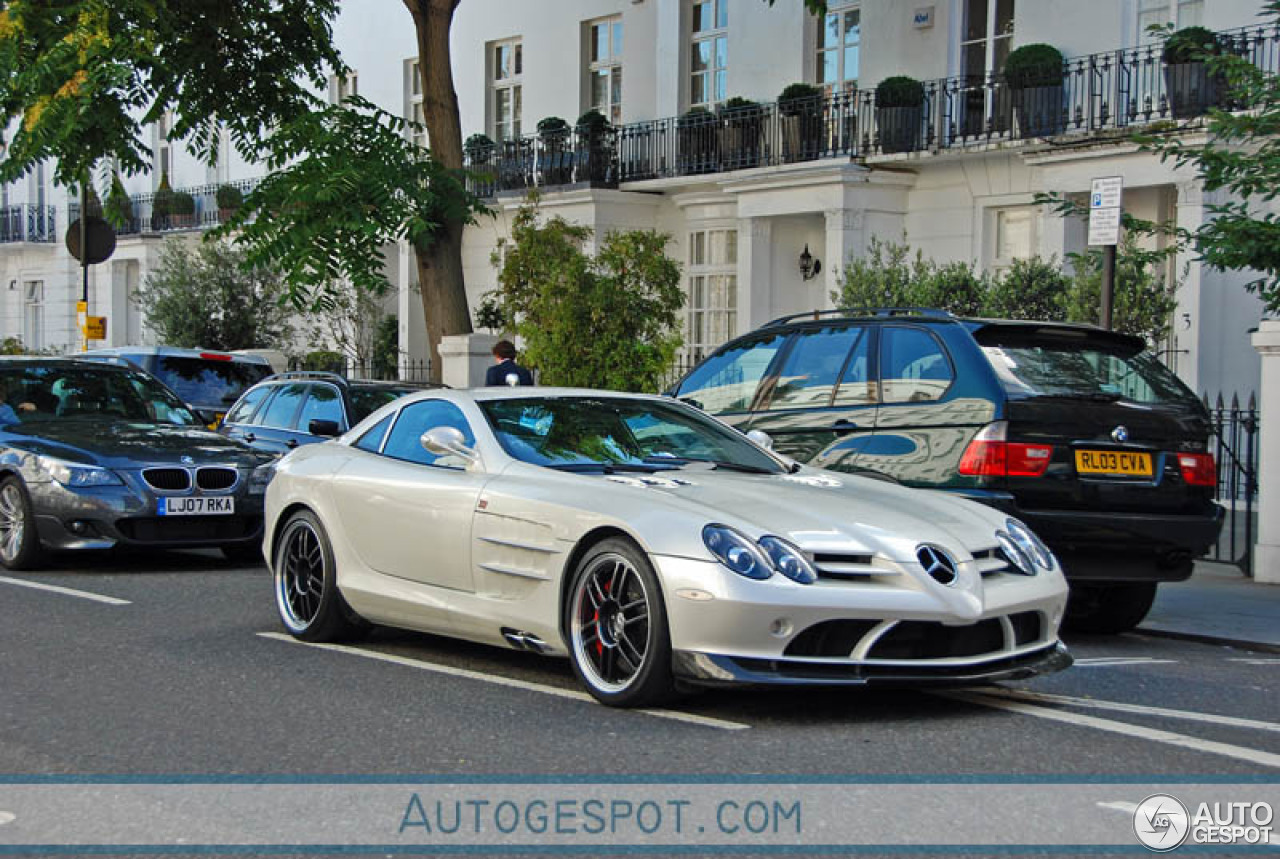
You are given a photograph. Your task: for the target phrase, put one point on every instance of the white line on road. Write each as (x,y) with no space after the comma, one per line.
(1249,661)
(1140,709)
(70,592)
(436,667)
(1255,756)
(1111,661)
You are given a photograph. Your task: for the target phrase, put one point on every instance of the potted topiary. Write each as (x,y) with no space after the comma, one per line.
(119,208)
(229,198)
(594,158)
(183,210)
(554,165)
(740,133)
(162,204)
(479,150)
(899,113)
(696,141)
(800,113)
(1191,89)
(1034,76)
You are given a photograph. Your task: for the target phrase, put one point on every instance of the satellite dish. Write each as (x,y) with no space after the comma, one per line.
(99,238)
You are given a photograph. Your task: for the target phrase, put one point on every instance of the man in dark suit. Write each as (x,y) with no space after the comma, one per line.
(504,353)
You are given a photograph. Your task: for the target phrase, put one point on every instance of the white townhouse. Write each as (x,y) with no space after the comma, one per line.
(747,195)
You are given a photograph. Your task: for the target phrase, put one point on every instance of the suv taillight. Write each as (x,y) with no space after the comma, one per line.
(989,455)
(1198,469)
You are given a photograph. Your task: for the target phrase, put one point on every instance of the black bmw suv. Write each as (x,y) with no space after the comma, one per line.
(1074,429)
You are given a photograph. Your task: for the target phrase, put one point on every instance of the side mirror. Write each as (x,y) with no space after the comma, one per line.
(320,426)
(446,441)
(761,438)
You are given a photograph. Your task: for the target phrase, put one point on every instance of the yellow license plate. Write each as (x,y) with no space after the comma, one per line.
(1113,462)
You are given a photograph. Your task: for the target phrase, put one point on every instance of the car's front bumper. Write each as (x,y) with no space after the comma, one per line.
(728,629)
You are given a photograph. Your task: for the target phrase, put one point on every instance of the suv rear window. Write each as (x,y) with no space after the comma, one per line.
(1082,369)
(206,382)
(366,401)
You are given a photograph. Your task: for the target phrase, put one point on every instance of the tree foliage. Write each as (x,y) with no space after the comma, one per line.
(889,275)
(208,296)
(80,78)
(604,321)
(344,182)
(1240,157)
(1144,298)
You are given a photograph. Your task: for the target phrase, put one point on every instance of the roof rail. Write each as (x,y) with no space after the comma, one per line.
(310,374)
(860,313)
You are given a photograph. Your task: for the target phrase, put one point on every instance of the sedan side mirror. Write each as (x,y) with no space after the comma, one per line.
(446,441)
(320,426)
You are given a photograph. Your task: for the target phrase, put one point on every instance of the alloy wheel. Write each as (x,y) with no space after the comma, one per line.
(300,579)
(13,521)
(610,622)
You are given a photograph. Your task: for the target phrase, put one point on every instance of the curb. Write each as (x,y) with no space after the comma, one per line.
(1201,638)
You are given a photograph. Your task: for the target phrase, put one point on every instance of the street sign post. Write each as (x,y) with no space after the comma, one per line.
(1105,196)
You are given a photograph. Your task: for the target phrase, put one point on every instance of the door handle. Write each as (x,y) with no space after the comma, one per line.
(249,437)
(843,425)
(291,443)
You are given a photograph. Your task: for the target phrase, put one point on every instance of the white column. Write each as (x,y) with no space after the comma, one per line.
(846,237)
(1190,216)
(465,358)
(409,316)
(116,306)
(755,272)
(1266,556)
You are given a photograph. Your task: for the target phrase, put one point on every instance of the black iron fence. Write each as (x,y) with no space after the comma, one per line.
(1110,91)
(1235,448)
(144,218)
(28,224)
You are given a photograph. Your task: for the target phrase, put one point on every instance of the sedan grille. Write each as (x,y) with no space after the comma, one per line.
(167,479)
(216,478)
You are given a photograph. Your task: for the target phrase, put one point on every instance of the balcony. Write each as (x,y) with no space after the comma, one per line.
(1101,95)
(207,214)
(28,224)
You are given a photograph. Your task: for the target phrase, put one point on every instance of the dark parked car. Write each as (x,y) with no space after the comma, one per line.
(207,381)
(1075,430)
(93,455)
(296,408)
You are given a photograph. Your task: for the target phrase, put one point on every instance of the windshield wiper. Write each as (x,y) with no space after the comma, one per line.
(726,464)
(610,467)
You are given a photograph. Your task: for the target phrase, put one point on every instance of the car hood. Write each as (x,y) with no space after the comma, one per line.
(124,444)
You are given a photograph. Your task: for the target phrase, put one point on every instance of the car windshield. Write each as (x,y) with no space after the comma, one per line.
(40,393)
(1084,370)
(366,401)
(207,381)
(604,432)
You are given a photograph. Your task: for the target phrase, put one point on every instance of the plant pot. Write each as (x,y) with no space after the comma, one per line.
(697,141)
(593,162)
(740,143)
(555,165)
(900,128)
(801,136)
(1039,110)
(1191,89)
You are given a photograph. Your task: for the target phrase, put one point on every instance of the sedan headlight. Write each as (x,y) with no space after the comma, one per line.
(76,476)
(789,560)
(1030,543)
(260,477)
(736,552)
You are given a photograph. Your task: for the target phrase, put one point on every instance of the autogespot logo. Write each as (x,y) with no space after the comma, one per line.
(1161,822)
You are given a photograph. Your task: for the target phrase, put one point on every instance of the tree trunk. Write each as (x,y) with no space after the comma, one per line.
(444,295)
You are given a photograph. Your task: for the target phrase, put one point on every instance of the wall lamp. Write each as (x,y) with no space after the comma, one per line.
(809,267)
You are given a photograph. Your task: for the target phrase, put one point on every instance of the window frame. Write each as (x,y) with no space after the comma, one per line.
(512,84)
(382,448)
(33,322)
(615,38)
(764,383)
(297,410)
(1172,13)
(413,100)
(719,30)
(766,393)
(705,271)
(843,84)
(343,425)
(268,391)
(880,365)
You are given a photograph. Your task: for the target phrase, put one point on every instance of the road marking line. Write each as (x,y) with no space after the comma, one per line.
(1248,661)
(438,668)
(1108,661)
(1255,756)
(1121,707)
(85,595)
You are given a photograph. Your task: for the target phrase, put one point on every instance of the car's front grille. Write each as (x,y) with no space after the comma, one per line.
(179,529)
(167,479)
(923,639)
(830,638)
(991,561)
(216,478)
(914,640)
(847,566)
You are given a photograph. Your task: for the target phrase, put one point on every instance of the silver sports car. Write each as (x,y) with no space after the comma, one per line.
(653,546)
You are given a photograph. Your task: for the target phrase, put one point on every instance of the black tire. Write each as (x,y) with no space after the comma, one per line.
(615,619)
(1107,609)
(251,554)
(306,584)
(20,547)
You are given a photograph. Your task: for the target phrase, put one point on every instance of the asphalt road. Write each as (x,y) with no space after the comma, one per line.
(185,671)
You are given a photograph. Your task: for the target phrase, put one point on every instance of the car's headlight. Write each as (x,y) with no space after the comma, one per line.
(77,476)
(789,560)
(1030,543)
(736,552)
(260,477)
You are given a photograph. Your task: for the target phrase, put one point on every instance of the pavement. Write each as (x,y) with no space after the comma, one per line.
(1218,605)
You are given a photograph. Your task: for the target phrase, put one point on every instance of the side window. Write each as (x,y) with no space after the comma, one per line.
(813,367)
(727,382)
(243,410)
(324,403)
(857,388)
(282,409)
(913,366)
(415,419)
(372,439)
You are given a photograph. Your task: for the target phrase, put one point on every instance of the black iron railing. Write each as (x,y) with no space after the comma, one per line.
(1235,449)
(144,220)
(1111,91)
(28,224)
